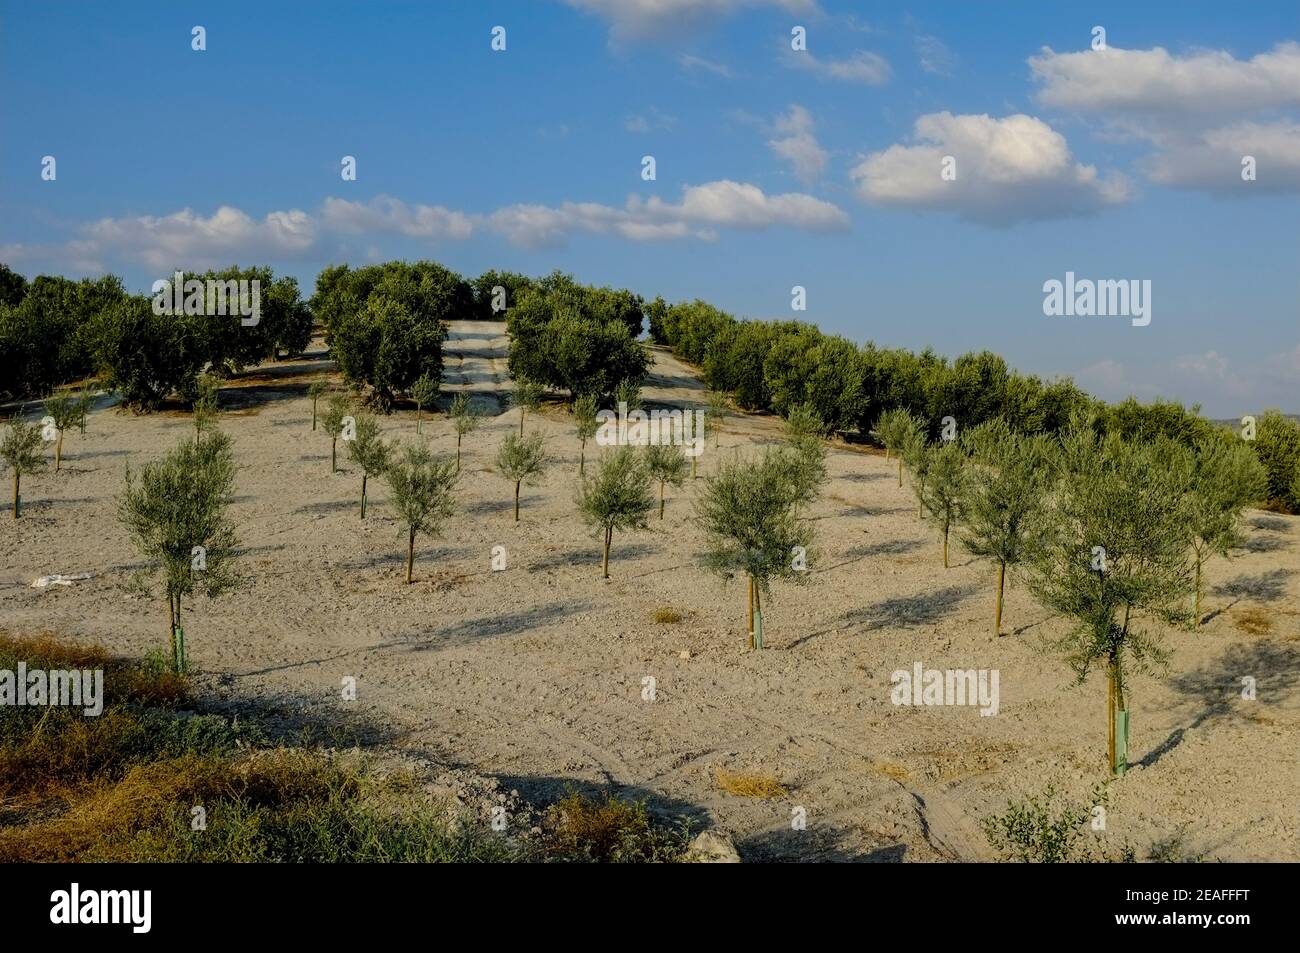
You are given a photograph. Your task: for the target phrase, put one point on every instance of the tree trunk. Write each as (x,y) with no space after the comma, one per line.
(313,415)
(458,436)
(363,493)
(17,501)
(410,554)
(997,618)
(334,455)
(516,501)
(900,471)
(751,612)
(521,421)
(945,547)
(609,538)
(1197,610)
(58,451)
(661,499)
(1110,714)
(419,419)
(758,618)
(171,628)
(582,458)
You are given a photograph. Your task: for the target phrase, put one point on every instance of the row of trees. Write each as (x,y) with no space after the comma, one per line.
(778,365)
(54,331)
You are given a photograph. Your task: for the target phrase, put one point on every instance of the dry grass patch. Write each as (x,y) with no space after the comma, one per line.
(743,784)
(667,616)
(893,770)
(1253,621)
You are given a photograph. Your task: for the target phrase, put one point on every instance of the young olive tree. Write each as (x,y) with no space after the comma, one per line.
(521,460)
(667,464)
(85,404)
(1111,542)
(205,405)
(176,516)
(1007,476)
(21,451)
(806,456)
(628,391)
(1226,478)
(944,494)
(917,456)
(526,395)
(337,409)
(369,451)
(719,409)
(64,410)
(421,487)
(617,497)
(464,418)
(896,429)
(315,390)
(425,393)
(585,409)
(750,517)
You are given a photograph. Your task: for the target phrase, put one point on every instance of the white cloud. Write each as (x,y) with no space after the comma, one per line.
(691,62)
(1154,81)
(648,19)
(1211,159)
(653,120)
(195,241)
(796,143)
(934,55)
(386,214)
(1008,170)
(703,208)
(863,66)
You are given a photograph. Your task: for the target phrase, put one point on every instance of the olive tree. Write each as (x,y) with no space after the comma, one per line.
(806,459)
(369,451)
(896,428)
(465,419)
(205,405)
(314,390)
(176,515)
(585,408)
(750,518)
(1226,478)
(64,410)
(917,456)
(943,496)
(337,409)
(21,451)
(521,460)
(421,487)
(424,392)
(526,395)
(667,464)
(1110,545)
(1004,489)
(617,497)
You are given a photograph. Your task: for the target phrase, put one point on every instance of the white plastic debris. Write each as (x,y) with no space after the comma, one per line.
(61,579)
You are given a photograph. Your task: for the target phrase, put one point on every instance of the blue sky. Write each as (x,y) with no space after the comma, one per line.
(774,167)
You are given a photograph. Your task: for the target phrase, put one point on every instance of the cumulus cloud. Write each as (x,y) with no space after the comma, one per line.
(865,67)
(197,241)
(1155,81)
(702,209)
(1212,159)
(648,19)
(1013,169)
(795,142)
(384,214)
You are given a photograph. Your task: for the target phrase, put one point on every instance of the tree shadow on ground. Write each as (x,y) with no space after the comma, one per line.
(330,506)
(1272,523)
(1214,690)
(814,845)
(486,627)
(1267,586)
(865,477)
(910,611)
(594,555)
(485,507)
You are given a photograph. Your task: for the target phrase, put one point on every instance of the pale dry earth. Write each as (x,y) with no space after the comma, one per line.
(535,675)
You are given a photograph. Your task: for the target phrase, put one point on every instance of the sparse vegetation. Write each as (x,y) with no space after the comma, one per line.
(521,460)
(21,451)
(425,393)
(525,395)
(616,498)
(667,464)
(315,390)
(743,784)
(1042,830)
(465,419)
(65,410)
(422,493)
(369,451)
(337,408)
(585,408)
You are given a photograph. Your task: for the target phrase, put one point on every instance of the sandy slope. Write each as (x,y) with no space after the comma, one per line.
(535,674)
